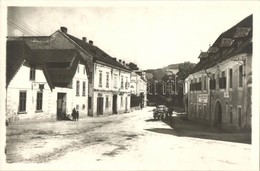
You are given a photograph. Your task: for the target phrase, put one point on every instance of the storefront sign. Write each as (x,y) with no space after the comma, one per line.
(226,94)
(203,98)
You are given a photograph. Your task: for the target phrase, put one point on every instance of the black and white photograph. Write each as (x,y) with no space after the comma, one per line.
(129,85)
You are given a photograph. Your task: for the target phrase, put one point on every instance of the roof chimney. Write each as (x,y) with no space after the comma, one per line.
(64,29)
(114,59)
(120,61)
(90,42)
(123,62)
(84,39)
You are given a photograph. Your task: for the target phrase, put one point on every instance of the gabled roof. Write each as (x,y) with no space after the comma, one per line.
(51,60)
(61,64)
(98,54)
(232,42)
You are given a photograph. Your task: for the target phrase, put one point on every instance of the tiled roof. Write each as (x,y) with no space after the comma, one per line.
(61,76)
(230,43)
(61,64)
(55,55)
(98,54)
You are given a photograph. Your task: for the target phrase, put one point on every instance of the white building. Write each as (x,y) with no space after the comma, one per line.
(42,83)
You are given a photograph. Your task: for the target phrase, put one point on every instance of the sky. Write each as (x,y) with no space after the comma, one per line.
(152,36)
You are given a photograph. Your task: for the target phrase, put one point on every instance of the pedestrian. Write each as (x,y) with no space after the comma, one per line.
(74,113)
(77,115)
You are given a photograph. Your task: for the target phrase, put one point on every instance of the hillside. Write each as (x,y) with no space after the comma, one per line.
(159,73)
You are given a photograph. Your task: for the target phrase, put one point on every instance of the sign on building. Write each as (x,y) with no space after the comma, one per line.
(203,98)
(226,94)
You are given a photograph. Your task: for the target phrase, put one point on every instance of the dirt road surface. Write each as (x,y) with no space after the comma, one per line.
(124,142)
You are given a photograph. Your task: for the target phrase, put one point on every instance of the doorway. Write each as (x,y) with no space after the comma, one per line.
(61,106)
(100,101)
(114,104)
(218,114)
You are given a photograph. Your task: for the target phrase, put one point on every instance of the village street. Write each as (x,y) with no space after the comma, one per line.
(127,141)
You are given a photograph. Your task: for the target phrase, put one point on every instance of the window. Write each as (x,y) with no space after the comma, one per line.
(205,82)
(77,89)
(106,102)
(78,68)
(222,80)
(230,78)
(239,108)
(126,83)
(223,74)
(122,82)
(107,83)
(89,102)
(240,75)
(199,84)
(83,107)
(32,73)
(115,80)
(39,101)
(84,70)
(212,84)
(121,102)
(77,107)
(22,101)
(84,88)
(100,79)
(230,115)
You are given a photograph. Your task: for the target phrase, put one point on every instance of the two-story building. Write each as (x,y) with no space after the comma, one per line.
(44,83)
(218,90)
(109,80)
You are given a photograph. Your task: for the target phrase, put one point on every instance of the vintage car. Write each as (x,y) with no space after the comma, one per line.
(160,112)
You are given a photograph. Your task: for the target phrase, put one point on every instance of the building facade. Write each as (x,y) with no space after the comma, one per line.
(109,79)
(138,86)
(42,83)
(111,90)
(218,90)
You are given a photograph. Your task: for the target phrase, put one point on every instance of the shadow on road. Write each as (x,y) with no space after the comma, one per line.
(186,128)
(150,120)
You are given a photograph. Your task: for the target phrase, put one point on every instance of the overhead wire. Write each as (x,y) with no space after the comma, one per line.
(23,26)
(20,29)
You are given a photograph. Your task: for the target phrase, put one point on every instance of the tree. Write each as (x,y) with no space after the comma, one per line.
(133,66)
(184,70)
